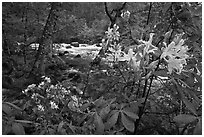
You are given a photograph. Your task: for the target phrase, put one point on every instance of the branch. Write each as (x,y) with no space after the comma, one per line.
(150,7)
(106,10)
(123,6)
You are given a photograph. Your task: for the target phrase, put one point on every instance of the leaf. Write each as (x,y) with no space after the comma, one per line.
(59,128)
(168,34)
(18,129)
(82,119)
(85,106)
(190,106)
(199,66)
(153,106)
(111,121)
(99,124)
(99,102)
(184,119)
(153,64)
(14,106)
(6,109)
(130,114)
(140,101)
(104,112)
(4,91)
(198,128)
(6,129)
(51,131)
(24,121)
(128,124)
(135,106)
(110,101)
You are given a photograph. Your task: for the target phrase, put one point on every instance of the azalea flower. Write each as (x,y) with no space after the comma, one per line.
(176,64)
(41,108)
(53,105)
(125,15)
(134,60)
(112,33)
(175,54)
(149,48)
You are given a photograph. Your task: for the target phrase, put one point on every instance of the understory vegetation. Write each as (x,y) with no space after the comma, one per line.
(145,79)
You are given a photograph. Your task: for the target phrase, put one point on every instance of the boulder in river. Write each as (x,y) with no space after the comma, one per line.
(75,44)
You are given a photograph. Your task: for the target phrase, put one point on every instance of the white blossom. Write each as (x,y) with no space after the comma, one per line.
(175,54)
(112,33)
(149,48)
(125,15)
(53,105)
(41,108)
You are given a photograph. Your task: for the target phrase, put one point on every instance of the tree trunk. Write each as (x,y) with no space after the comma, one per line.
(45,42)
(115,13)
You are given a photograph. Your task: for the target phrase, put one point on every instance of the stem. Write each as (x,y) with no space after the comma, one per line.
(87,80)
(122,75)
(150,7)
(141,111)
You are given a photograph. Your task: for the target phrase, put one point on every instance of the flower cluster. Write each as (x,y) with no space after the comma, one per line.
(175,54)
(148,47)
(112,33)
(143,50)
(125,15)
(134,58)
(46,92)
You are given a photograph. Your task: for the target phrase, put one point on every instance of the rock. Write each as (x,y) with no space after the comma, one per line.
(66,52)
(60,54)
(68,47)
(98,45)
(75,44)
(77,56)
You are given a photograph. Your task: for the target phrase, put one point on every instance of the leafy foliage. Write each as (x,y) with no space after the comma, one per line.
(146,78)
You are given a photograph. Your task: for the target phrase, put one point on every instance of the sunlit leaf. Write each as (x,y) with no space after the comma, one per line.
(128,124)
(198,128)
(190,106)
(18,129)
(184,119)
(167,35)
(6,129)
(130,114)
(99,124)
(51,131)
(59,128)
(153,64)
(24,121)
(111,121)
(104,111)
(85,106)
(6,108)
(99,101)
(14,106)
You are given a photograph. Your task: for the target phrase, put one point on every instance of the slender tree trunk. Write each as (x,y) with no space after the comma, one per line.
(25,20)
(117,13)
(46,39)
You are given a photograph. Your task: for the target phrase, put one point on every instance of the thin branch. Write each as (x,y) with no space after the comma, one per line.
(106,10)
(150,7)
(122,75)
(123,6)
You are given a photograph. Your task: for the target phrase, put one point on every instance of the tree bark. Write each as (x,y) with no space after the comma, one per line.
(45,43)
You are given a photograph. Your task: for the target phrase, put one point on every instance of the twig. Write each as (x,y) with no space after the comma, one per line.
(150,7)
